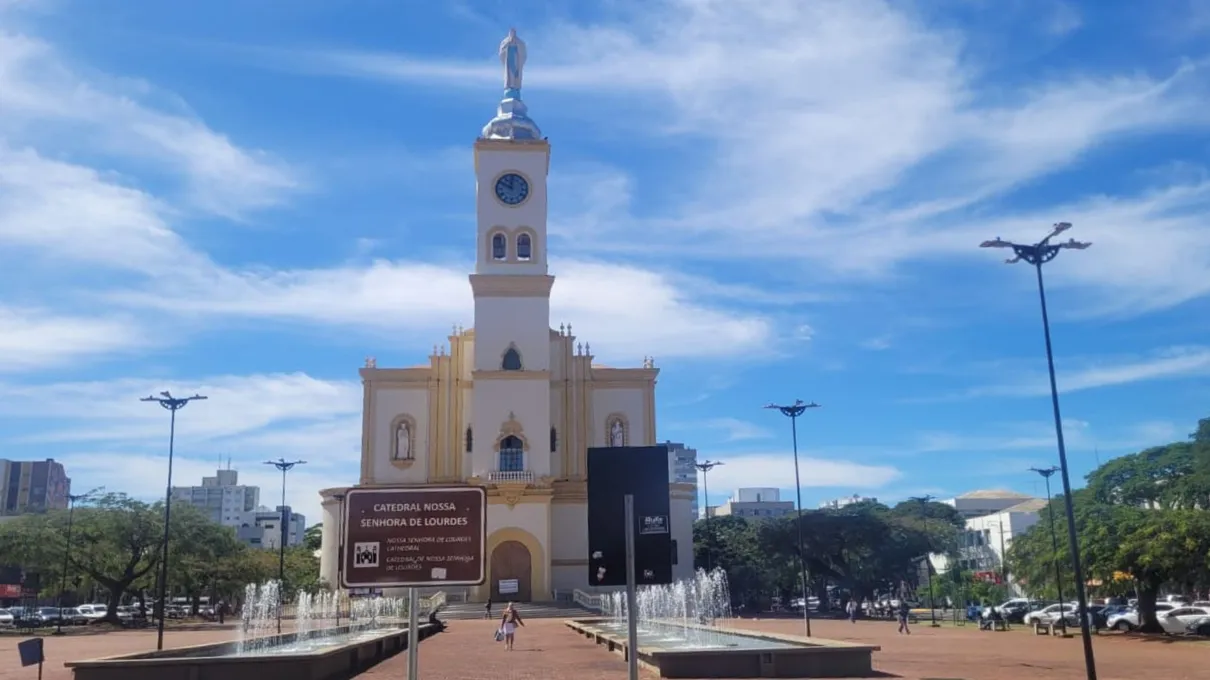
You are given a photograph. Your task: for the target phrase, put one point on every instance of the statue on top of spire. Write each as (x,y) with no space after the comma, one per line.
(512,121)
(512,55)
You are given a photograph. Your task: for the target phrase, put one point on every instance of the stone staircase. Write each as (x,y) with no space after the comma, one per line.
(529,610)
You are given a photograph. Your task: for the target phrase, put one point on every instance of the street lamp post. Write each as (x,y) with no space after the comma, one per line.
(1037,255)
(928,565)
(705,467)
(793,411)
(1054,537)
(172,404)
(285,466)
(72,499)
(340,550)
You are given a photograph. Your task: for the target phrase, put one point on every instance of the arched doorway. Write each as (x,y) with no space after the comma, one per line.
(511,561)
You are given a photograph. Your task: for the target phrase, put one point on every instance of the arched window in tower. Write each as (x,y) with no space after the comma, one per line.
(512,360)
(512,455)
(470,441)
(554,440)
(499,247)
(524,247)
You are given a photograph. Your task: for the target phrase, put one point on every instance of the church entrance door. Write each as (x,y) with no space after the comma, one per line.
(511,563)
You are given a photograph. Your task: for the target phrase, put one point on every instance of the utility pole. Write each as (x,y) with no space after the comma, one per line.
(171,404)
(1047,473)
(72,499)
(705,467)
(793,411)
(928,565)
(1037,255)
(285,466)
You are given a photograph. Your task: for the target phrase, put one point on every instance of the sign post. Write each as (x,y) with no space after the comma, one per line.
(413,638)
(414,537)
(632,616)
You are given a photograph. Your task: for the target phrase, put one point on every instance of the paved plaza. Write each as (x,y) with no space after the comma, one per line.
(547,649)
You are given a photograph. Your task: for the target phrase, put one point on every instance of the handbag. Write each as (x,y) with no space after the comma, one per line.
(499,635)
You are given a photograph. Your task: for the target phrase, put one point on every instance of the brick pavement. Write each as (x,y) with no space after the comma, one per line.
(547,649)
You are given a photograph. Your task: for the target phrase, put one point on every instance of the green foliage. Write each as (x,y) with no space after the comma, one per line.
(864,548)
(313,538)
(116,544)
(1143,524)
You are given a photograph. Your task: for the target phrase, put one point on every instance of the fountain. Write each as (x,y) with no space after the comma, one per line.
(328,636)
(683,632)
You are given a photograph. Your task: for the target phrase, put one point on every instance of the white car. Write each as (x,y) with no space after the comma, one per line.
(1127,621)
(1049,614)
(1177,621)
(93,612)
(6,617)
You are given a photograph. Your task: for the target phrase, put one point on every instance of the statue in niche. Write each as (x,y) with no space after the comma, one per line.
(617,434)
(403,442)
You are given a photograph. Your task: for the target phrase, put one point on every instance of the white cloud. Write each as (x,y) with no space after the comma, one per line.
(110,411)
(777,470)
(726,429)
(41,97)
(1087,374)
(37,338)
(623,311)
(886,126)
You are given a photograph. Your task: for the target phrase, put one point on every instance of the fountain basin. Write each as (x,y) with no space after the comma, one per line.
(676,650)
(342,658)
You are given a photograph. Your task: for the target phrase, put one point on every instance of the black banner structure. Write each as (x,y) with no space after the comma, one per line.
(614,472)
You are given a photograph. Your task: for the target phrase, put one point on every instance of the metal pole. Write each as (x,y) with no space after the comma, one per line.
(928,563)
(1039,254)
(1054,541)
(1090,666)
(709,527)
(802,558)
(285,466)
(159,637)
(71,508)
(172,404)
(413,634)
(340,556)
(632,619)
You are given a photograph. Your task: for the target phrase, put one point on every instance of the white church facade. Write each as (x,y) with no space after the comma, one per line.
(511,404)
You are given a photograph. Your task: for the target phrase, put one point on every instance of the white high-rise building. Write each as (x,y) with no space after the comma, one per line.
(221,497)
(682,469)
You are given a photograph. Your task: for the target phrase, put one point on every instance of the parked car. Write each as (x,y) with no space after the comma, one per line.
(1176,621)
(1129,620)
(6,618)
(93,612)
(1200,626)
(1050,613)
(72,616)
(49,616)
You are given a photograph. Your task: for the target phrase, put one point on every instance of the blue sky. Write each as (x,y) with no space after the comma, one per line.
(775,199)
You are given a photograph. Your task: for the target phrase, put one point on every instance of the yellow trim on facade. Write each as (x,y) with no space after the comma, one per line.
(509,375)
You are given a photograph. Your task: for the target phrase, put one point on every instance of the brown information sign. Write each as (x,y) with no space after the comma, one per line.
(414,537)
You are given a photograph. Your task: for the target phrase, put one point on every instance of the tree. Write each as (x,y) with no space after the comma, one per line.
(313,537)
(115,542)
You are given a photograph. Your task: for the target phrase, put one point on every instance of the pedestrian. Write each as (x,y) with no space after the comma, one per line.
(508,625)
(488,614)
(221,610)
(851,608)
(904,611)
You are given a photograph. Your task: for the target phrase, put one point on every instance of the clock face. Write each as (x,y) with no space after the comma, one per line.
(512,189)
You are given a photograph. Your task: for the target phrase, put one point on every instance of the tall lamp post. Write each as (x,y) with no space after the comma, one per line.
(1037,255)
(1047,473)
(705,467)
(285,466)
(928,564)
(793,411)
(172,404)
(72,499)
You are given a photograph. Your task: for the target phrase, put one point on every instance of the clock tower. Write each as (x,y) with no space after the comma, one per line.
(512,348)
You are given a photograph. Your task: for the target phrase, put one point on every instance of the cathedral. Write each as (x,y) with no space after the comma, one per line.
(511,404)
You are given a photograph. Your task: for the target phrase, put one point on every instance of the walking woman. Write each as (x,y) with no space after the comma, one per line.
(508,625)
(904,613)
